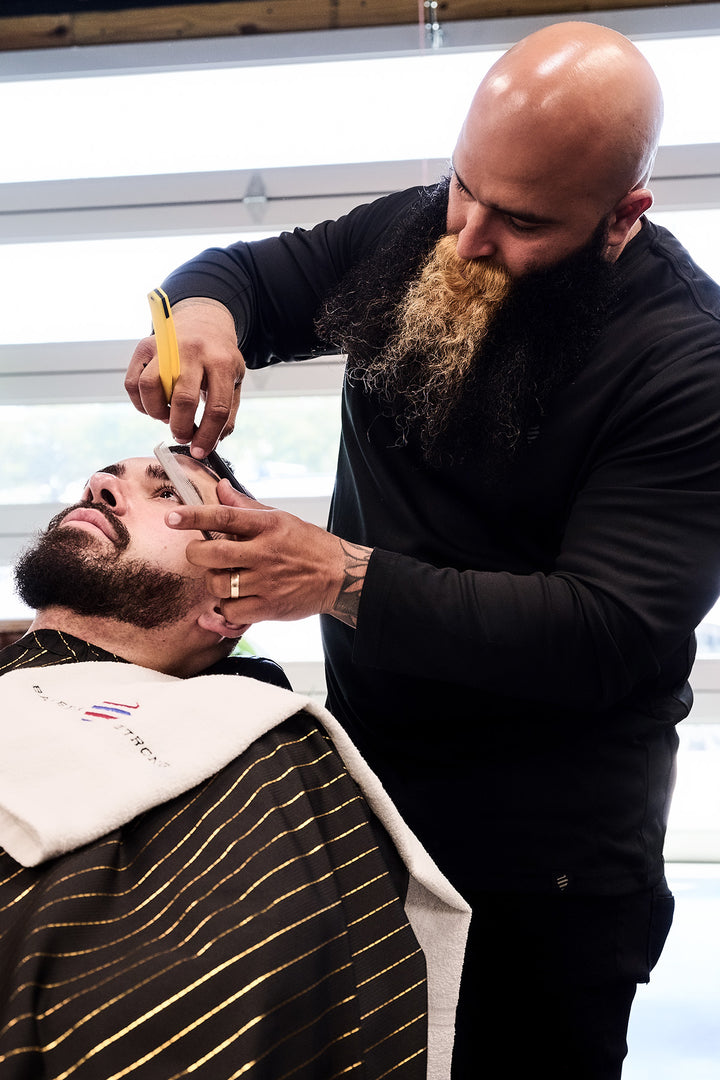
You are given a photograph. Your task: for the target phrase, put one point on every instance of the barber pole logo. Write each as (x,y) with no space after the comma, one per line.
(109,710)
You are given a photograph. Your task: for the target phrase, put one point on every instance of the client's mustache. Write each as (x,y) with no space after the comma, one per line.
(122,536)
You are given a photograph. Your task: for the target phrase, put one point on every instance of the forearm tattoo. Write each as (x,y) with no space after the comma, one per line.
(347,601)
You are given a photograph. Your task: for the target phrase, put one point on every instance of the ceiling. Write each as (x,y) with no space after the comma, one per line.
(46,24)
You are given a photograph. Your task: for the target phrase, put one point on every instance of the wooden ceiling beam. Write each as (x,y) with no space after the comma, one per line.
(247,17)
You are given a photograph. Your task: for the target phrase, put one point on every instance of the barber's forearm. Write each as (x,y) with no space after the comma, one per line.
(203,301)
(347,602)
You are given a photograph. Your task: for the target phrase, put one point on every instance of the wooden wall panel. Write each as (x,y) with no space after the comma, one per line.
(245,17)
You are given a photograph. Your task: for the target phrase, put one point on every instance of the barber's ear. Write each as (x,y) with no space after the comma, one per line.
(214,621)
(629,210)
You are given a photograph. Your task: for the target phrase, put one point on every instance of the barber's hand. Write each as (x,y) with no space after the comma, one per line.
(287,568)
(211,367)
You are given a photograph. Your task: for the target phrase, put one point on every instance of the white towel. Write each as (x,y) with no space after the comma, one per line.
(85,748)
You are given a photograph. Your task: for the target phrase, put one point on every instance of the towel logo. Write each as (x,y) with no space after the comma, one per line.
(117,711)
(120,711)
(109,710)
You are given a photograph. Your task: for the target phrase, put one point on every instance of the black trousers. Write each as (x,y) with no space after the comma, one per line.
(549,981)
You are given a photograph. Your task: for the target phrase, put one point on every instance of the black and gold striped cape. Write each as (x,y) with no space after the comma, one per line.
(252,927)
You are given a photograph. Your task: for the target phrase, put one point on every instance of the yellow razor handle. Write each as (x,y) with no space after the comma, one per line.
(167,346)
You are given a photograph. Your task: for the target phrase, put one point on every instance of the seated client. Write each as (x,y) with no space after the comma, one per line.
(198,873)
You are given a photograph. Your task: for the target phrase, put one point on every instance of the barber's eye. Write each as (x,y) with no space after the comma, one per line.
(522,226)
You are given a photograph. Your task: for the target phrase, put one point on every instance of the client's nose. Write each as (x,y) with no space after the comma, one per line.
(106,488)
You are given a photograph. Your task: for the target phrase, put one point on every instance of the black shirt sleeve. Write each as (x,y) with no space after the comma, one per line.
(274,288)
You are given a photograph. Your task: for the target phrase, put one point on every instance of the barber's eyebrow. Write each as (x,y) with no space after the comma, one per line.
(520,215)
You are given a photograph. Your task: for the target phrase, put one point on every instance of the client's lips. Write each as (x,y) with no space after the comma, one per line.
(91,517)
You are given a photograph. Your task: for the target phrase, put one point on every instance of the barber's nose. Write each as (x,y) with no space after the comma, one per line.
(475,239)
(106,488)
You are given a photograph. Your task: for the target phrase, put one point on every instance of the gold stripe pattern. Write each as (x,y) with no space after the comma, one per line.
(249,928)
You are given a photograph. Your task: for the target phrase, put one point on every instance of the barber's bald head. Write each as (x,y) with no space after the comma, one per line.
(582,87)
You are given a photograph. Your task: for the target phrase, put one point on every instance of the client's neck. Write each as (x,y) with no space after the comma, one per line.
(171,649)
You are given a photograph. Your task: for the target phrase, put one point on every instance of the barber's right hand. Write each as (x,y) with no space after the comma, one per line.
(211,368)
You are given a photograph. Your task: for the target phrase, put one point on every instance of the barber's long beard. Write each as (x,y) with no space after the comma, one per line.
(443,321)
(478,380)
(465,383)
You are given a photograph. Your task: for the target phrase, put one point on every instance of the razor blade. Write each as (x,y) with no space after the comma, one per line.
(186,490)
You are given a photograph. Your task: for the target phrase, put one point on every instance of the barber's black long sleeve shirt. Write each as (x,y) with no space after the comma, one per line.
(522,654)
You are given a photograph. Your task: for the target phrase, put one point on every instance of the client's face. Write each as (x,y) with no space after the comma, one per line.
(111,554)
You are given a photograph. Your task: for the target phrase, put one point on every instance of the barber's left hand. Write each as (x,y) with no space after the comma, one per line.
(288,568)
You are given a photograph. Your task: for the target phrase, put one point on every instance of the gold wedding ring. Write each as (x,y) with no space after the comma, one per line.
(235,585)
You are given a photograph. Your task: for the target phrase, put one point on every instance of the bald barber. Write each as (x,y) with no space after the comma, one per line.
(525,529)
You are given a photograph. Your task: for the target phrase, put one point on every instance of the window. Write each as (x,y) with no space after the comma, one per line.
(114,190)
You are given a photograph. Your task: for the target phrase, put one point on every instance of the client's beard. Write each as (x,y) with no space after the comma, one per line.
(66,568)
(443,321)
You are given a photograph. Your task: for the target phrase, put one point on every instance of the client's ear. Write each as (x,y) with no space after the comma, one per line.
(214,621)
